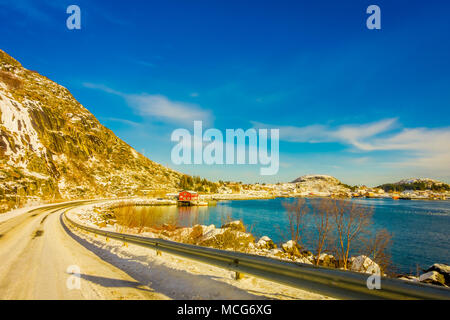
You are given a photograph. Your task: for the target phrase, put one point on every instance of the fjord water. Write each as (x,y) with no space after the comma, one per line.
(420,228)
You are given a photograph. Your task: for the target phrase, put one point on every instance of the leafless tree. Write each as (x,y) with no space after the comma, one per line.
(297,213)
(323,224)
(376,247)
(351,222)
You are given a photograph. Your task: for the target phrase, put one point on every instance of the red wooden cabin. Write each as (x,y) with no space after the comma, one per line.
(187,196)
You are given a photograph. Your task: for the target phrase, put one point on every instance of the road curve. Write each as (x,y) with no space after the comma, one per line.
(36,252)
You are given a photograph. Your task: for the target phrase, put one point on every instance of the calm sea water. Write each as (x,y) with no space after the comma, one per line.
(420,229)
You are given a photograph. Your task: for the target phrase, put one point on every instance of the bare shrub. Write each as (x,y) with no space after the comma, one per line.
(376,246)
(196,234)
(341,227)
(297,214)
(231,239)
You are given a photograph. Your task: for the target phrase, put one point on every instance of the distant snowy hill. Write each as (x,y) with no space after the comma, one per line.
(320,183)
(52,147)
(420,180)
(416,184)
(312,178)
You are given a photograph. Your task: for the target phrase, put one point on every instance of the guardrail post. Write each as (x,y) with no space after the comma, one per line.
(158,252)
(237,275)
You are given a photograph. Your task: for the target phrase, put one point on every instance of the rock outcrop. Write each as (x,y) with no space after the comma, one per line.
(432,277)
(441,278)
(292,248)
(265,243)
(364,264)
(327,260)
(229,236)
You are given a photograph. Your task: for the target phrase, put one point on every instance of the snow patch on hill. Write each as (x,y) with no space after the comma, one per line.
(16,119)
(419,180)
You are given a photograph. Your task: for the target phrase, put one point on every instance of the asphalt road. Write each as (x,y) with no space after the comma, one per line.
(38,254)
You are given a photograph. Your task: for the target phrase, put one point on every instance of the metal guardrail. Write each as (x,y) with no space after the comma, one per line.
(330,282)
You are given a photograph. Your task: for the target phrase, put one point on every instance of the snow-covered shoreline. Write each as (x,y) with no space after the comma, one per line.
(229,236)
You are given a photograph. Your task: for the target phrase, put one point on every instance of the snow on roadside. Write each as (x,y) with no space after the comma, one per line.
(17,212)
(182,278)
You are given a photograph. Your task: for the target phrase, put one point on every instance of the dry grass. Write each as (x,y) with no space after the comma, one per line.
(132,218)
(10,80)
(195,235)
(230,240)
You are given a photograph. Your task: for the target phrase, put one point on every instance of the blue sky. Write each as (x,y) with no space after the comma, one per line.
(367,106)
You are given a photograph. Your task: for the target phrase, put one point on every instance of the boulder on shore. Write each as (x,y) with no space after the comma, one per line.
(303,260)
(443,269)
(266,243)
(236,225)
(307,254)
(364,264)
(327,260)
(432,277)
(292,248)
(226,238)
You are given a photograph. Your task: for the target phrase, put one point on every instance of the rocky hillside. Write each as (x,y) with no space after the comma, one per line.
(317,178)
(320,183)
(417,184)
(52,147)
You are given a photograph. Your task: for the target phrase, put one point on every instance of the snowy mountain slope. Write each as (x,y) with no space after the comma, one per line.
(53,147)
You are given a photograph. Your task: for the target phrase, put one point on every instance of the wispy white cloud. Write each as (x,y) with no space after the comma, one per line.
(159,107)
(102,88)
(347,134)
(426,148)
